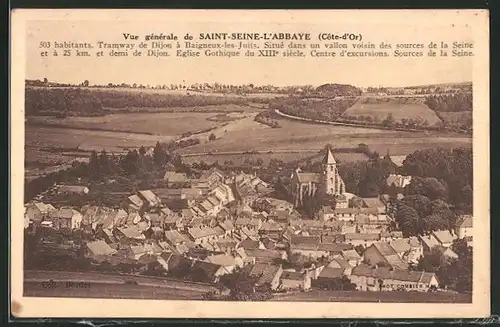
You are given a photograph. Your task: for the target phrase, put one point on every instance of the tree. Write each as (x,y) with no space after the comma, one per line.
(93,166)
(130,163)
(212,137)
(430,187)
(159,155)
(336,284)
(408,219)
(142,151)
(389,121)
(86,83)
(419,202)
(105,166)
(244,287)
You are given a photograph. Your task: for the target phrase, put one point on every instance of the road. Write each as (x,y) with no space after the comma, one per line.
(224,153)
(316,121)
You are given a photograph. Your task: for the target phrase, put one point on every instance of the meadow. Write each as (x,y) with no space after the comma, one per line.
(400,108)
(300,136)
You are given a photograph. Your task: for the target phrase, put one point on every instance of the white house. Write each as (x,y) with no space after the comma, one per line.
(463,226)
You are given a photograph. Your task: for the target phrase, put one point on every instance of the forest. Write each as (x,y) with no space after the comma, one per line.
(450,102)
(76,101)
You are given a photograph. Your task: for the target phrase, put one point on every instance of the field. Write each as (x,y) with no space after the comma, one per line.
(399,108)
(455,117)
(233,125)
(300,136)
(388,297)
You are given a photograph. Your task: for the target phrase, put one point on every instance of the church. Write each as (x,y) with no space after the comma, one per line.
(328,182)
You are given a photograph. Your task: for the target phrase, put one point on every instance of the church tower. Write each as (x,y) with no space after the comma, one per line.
(331,180)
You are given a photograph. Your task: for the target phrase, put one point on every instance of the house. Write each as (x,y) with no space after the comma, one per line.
(428,242)
(135,203)
(149,198)
(265,255)
(365,239)
(175,180)
(178,198)
(65,218)
(333,249)
(293,280)
(341,263)
(202,234)
(129,233)
(72,189)
(329,273)
(448,252)
(252,223)
(463,226)
(409,249)
(229,262)
(155,219)
(375,203)
(382,254)
(98,250)
(352,257)
(212,176)
(327,213)
(268,274)
(107,236)
(389,236)
(174,237)
(37,211)
(368,278)
(398,181)
(136,251)
(307,246)
(223,193)
(114,219)
(94,217)
(249,243)
(269,204)
(203,271)
(227,226)
(271,227)
(444,237)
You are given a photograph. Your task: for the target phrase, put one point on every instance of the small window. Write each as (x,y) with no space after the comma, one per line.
(332,168)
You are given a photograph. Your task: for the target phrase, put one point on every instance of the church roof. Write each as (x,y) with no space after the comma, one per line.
(309,177)
(329,159)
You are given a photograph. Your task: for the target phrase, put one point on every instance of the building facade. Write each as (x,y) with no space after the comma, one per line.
(328,182)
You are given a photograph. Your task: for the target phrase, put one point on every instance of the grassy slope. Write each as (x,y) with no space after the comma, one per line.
(380,108)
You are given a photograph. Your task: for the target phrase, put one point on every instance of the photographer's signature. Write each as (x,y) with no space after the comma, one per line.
(67,284)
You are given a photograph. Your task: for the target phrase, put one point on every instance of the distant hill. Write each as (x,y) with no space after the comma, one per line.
(334,90)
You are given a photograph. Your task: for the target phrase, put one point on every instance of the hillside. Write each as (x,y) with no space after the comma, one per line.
(336,90)
(85,101)
(402,109)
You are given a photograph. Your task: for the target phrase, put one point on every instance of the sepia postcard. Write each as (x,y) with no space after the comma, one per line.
(250,164)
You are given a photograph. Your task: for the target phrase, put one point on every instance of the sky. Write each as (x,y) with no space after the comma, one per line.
(361,72)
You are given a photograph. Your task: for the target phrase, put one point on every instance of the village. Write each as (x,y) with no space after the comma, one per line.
(226,223)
